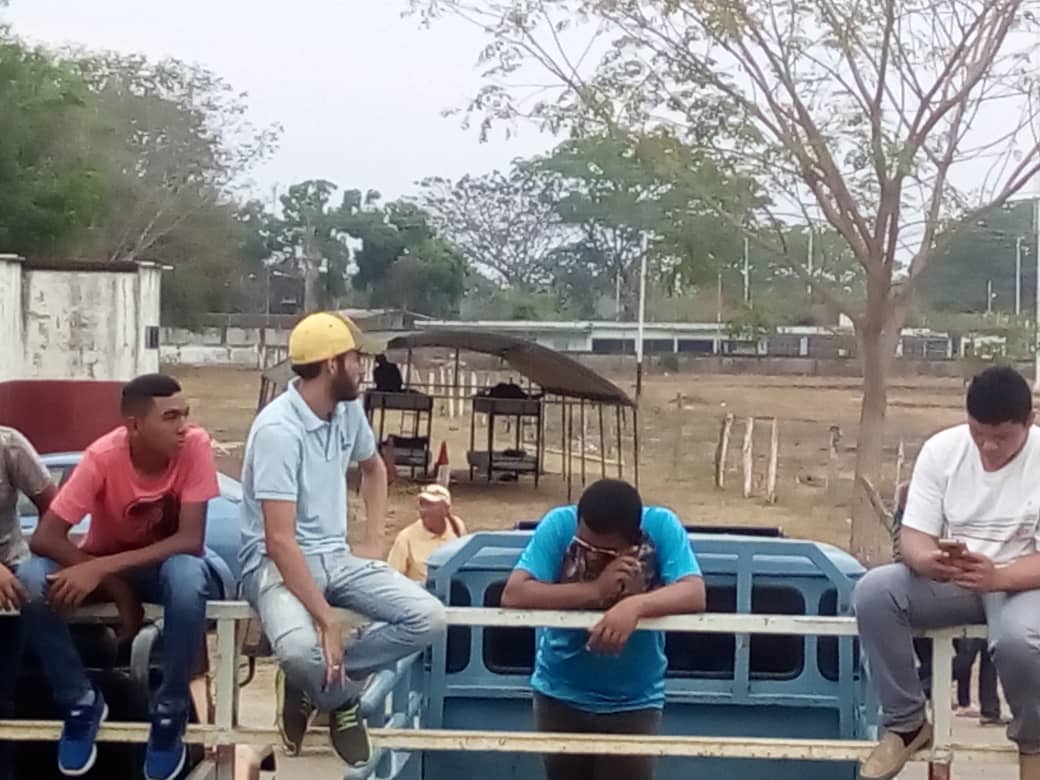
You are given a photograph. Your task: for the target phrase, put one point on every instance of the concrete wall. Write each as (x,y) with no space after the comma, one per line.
(78,323)
(11,343)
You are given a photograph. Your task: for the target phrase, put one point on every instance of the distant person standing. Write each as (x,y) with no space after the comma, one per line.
(387,376)
(435,527)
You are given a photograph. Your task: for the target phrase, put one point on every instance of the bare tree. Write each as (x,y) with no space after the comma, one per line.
(890,117)
(500,221)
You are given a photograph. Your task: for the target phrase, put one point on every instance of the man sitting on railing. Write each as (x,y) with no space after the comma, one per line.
(296,563)
(606,553)
(969,550)
(145,486)
(21,473)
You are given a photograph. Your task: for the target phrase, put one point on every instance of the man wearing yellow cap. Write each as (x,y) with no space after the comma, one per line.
(297,566)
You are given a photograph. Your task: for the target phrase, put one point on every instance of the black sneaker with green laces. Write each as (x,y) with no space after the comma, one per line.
(348,734)
(294,715)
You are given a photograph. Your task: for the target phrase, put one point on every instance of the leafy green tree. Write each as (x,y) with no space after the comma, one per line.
(51,192)
(176,141)
(979,254)
(612,191)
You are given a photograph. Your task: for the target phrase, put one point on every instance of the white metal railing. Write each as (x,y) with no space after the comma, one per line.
(225,733)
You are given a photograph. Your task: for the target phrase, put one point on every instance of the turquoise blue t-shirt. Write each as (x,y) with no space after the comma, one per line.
(564,668)
(294,455)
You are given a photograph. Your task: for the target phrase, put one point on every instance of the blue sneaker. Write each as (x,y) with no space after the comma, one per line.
(166,754)
(77,748)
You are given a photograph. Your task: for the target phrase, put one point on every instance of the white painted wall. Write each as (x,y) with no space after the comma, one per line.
(61,324)
(11,352)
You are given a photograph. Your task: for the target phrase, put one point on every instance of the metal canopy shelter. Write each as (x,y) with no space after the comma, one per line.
(575,384)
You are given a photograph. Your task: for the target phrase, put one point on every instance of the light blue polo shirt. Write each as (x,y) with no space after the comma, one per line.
(294,455)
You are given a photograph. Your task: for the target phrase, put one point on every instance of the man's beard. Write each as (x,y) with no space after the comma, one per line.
(345,388)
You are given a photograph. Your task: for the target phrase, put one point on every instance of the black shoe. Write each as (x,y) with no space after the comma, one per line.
(348,734)
(294,714)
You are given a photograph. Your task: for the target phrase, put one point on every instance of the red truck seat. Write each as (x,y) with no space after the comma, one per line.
(60,415)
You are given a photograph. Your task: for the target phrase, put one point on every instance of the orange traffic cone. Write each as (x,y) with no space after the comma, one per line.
(443,469)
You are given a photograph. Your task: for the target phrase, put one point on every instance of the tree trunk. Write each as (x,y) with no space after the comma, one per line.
(870,536)
(310,289)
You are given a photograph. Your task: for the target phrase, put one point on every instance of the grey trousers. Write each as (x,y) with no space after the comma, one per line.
(553,715)
(406,618)
(891,602)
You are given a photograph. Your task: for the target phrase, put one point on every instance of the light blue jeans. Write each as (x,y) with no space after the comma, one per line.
(406,618)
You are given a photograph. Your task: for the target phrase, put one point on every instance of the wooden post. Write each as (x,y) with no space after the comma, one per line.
(774,457)
(900,463)
(677,448)
(748,455)
(721,451)
(832,465)
(442,382)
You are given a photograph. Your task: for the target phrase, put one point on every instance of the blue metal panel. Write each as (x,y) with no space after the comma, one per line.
(788,687)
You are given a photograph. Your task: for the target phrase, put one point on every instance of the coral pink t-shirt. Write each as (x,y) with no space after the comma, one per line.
(129,510)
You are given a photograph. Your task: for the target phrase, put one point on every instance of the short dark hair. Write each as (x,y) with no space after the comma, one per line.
(999,395)
(380,358)
(612,506)
(307,370)
(140,393)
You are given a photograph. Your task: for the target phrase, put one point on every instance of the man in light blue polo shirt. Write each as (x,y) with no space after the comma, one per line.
(297,566)
(609,553)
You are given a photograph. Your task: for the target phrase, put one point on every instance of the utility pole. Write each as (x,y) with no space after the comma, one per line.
(1018,276)
(718,316)
(810,261)
(989,297)
(642,315)
(747,271)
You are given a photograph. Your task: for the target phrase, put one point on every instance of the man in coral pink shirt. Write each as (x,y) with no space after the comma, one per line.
(145,486)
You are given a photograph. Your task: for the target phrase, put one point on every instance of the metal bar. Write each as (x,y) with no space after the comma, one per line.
(602,444)
(617,430)
(716,622)
(227,676)
(942,676)
(529,742)
(224,761)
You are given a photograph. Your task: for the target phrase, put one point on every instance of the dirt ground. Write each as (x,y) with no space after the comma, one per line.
(679,431)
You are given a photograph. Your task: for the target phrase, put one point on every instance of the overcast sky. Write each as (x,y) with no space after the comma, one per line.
(358,89)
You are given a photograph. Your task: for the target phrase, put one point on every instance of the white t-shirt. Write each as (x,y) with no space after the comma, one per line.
(994,513)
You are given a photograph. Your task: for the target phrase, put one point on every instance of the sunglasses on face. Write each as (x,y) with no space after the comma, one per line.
(591,548)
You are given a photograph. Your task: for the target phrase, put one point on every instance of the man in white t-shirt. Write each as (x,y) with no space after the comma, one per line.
(975,488)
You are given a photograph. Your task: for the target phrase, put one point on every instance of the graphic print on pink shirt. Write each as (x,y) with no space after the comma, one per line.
(129,510)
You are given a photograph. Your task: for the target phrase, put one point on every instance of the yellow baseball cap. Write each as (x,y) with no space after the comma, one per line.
(321,336)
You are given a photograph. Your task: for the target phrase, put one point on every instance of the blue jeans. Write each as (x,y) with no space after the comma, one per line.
(407,620)
(181,584)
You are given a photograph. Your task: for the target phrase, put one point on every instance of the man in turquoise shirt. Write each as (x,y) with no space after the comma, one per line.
(297,566)
(607,553)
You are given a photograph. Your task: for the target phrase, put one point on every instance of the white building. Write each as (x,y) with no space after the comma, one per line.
(78,319)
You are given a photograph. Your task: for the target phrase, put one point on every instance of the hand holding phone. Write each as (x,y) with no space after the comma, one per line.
(952,547)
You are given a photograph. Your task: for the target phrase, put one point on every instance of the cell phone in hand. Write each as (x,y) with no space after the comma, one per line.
(952,547)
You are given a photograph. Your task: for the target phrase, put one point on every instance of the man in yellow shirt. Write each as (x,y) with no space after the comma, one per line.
(417,542)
